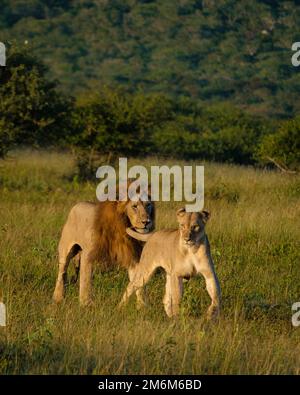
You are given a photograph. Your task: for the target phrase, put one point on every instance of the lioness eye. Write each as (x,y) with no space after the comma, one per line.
(196,228)
(134,207)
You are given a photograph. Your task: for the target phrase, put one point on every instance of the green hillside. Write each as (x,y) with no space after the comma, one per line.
(237,51)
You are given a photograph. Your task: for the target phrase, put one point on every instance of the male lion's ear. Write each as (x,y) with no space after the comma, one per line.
(180,212)
(205,215)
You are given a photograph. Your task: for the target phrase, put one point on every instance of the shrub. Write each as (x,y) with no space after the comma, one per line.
(282,148)
(113,123)
(32,111)
(220,133)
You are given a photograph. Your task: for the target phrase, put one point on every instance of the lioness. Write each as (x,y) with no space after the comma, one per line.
(97,232)
(181,253)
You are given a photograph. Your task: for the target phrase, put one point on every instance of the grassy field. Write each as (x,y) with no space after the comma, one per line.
(254,233)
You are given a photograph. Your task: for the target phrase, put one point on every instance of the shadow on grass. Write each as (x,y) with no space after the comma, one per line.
(44,357)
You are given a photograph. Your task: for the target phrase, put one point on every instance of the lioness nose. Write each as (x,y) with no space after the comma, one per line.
(145,221)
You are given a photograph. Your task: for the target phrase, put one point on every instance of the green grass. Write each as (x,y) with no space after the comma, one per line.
(254,233)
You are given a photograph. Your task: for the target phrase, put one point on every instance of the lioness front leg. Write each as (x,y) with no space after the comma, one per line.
(85,286)
(138,278)
(173,294)
(213,289)
(140,296)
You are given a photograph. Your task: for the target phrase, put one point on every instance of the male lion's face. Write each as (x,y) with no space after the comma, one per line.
(141,215)
(192,226)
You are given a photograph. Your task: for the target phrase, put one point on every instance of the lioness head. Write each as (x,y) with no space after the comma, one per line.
(192,226)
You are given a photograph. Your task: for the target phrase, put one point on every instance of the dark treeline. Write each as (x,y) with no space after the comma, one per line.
(190,79)
(103,124)
(209,50)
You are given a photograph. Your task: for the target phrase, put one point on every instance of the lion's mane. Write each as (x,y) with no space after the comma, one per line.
(113,246)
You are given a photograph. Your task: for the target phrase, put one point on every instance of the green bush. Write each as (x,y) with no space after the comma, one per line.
(113,123)
(32,111)
(220,133)
(230,134)
(282,148)
(110,123)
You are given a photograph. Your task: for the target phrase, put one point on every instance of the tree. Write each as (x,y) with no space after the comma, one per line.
(32,111)
(282,148)
(238,51)
(113,123)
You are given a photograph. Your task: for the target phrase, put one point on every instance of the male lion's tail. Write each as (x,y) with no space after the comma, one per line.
(139,236)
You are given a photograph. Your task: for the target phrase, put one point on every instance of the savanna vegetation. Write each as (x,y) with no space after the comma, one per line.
(238,51)
(254,234)
(100,125)
(185,81)
(186,78)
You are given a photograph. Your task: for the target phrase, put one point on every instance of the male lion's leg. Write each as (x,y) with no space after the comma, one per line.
(213,289)
(85,284)
(173,294)
(59,292)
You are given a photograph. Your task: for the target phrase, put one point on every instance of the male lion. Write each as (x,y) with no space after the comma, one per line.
(182,253)
(97,232)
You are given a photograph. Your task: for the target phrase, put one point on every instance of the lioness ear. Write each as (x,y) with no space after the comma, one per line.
(180,212)
(205,215)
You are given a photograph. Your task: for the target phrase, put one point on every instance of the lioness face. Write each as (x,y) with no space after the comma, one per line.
(141,215)
(192,226)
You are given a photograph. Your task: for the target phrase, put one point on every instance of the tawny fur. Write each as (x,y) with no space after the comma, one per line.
(182,253)
(96,232)
(113,246)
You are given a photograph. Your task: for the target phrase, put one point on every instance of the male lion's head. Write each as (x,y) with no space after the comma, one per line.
(139,211)
(141,215)
(192,226)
